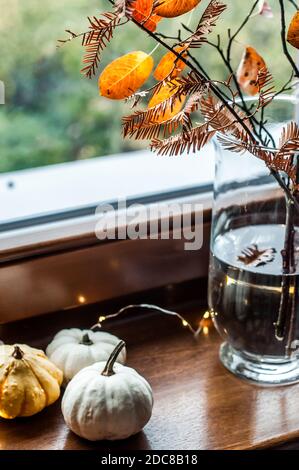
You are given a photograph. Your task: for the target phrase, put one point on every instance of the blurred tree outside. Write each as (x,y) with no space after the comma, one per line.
(54,114)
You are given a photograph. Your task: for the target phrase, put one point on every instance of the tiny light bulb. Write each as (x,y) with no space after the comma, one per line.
(205,330)
(102,318)
(185,323)
(291,290)
(207,314)
(81,299)
(229,281)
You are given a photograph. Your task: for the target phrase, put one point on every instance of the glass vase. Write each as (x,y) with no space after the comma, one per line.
(252,296)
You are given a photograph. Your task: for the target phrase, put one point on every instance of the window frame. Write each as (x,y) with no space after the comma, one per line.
(55,262)
(69,272)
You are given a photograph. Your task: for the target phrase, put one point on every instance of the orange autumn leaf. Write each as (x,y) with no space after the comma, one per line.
(293,32)
(142,10)
(165,92)
(151,23)
(173,8)
(170,65)
(125,75)
(247,74)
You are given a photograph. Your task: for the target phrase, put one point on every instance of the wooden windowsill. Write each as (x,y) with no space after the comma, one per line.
(198,404)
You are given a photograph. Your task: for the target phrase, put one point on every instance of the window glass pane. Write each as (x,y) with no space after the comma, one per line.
(53,114)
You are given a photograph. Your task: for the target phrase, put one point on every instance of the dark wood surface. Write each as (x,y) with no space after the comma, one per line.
(198,404)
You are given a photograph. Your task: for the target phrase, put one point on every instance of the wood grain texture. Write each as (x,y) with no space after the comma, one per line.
(198,404)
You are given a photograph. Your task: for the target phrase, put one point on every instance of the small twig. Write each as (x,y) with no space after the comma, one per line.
(244,107)
(285,87)
(293,323)
(263,122)
(63,42)
(73,36)
(171,38)
(284,41)
(243,24)
(294,3)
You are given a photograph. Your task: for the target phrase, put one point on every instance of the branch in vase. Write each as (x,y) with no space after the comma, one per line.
(242,103)
(222,114)
(294,294)
(287,307)
(287,269)
(201,73)
(199,70)
(227,62)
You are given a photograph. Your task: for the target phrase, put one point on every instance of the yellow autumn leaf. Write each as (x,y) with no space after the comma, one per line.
(293,32)
(165,92)
(170,65)
(125,75)
(247,74)
(173,8)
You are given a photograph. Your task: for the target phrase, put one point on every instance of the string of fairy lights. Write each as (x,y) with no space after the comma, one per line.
(203,326)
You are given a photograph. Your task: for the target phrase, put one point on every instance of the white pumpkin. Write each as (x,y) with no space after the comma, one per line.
(107,401)
(73,349)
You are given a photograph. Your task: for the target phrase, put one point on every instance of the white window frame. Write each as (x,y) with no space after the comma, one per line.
(44,205)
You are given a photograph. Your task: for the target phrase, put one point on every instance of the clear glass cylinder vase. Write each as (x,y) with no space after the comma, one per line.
(252,296)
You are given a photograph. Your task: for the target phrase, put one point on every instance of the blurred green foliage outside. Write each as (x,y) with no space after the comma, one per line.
(54,114)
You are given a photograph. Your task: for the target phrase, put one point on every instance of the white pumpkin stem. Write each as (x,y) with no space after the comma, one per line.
(17,353)
(86,340)
(108,370)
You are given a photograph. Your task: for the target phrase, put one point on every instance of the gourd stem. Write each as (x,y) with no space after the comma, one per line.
(17,353)
(108,371)
(86,340)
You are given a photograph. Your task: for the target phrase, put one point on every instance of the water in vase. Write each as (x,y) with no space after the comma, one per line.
(245,288)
